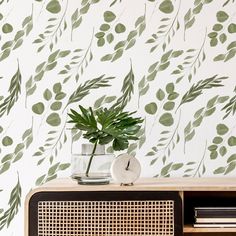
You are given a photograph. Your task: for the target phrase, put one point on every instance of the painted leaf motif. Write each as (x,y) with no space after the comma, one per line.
(38,108)
(7,141)
(222,129)
(7,28)
(232,141)
(166,119)
(120,28)
(166,6)
(53,119)
(151,108)
(109,16)
(222,16)
(232,28)
(53,6)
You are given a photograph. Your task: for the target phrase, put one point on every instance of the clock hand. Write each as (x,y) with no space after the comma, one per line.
(127,167)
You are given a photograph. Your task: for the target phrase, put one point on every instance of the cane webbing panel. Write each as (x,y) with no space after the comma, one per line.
(105,218)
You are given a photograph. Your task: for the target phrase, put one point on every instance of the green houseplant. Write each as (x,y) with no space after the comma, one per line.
(104,126)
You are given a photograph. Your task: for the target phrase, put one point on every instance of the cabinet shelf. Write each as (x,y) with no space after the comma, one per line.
(191,229)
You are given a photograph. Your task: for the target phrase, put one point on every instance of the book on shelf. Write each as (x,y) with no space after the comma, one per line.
(215,212)
(215,220)
(214,225)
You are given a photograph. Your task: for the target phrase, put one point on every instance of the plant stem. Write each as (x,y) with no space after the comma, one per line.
(91,158)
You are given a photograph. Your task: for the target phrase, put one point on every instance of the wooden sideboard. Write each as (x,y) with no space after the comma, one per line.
(192,191)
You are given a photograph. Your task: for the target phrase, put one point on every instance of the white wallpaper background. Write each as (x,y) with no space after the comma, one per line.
(182,55)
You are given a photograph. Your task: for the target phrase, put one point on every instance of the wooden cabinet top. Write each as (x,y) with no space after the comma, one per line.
(146,184)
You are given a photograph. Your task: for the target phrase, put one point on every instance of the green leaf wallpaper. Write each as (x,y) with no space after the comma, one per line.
(172,61)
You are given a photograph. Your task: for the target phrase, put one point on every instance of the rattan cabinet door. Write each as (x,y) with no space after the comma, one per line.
(105,213)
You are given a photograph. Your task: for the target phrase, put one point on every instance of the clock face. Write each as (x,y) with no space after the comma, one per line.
(125,169)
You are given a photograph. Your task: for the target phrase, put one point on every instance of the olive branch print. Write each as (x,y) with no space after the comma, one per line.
(230,107)
(127,90)
(84,89)
(14,205)
(14,90)
(198,88)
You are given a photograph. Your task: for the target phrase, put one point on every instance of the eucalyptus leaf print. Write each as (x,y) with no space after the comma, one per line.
(194,169)
(77,16)
(129,42)
(229,54)
(134,147)
(108,29)
(103,100)
(7,28)
(53,143)
(218,148)
(55,28)
(14,205)
(7,141)
(52,173)
(166,6)
(167,30)
(17,41)
(169,137)
(190,16)
(170,167)
(17,154)
(163,64)
(224,145)
(79,62)
(208,110)
(53,6)
(192,61)
(221,29)
(14,92)
(43,68)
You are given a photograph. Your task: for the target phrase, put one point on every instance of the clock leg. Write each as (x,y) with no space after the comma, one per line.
(130,184)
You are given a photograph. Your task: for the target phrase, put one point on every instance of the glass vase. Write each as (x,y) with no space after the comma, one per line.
(92,166)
